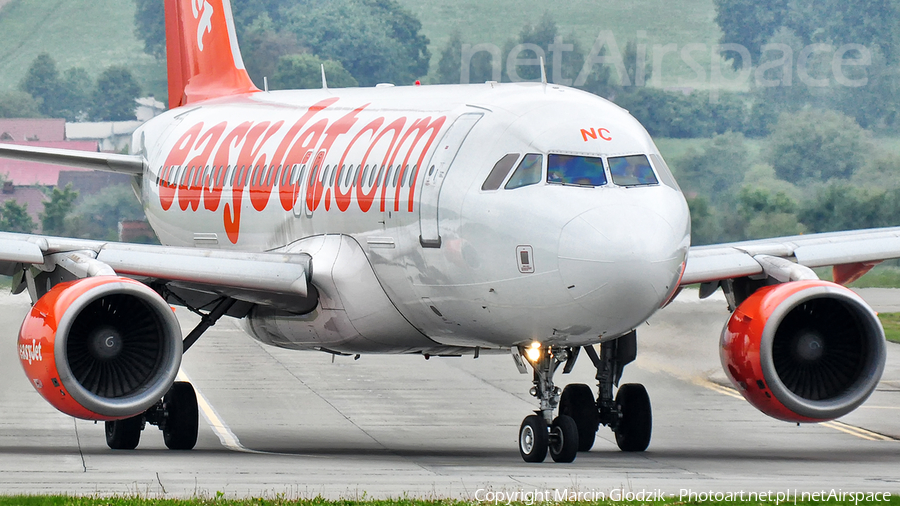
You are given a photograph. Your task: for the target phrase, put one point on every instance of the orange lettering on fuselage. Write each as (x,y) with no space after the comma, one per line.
(261,164)
(602,133)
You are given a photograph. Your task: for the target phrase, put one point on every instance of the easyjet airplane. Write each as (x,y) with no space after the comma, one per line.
(529,219)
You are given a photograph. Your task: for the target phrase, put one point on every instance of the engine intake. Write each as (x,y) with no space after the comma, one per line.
(807,351)
(101,348)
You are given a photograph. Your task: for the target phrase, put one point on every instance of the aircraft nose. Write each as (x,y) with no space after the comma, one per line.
(621,260)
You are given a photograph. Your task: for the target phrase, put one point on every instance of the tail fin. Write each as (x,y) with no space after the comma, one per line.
(204,60)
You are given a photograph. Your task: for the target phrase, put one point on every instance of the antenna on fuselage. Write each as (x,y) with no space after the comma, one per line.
(543,72)
(324,82)
(266,84)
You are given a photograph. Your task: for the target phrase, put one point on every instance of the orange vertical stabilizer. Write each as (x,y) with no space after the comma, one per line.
(204,60)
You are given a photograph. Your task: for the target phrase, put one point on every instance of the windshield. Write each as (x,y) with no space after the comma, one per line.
(575,170)
(631,171)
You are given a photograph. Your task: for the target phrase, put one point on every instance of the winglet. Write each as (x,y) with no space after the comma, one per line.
(204,60)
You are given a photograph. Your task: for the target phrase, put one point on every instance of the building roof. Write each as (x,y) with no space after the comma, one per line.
(22,173)
(20,130)
(100,130)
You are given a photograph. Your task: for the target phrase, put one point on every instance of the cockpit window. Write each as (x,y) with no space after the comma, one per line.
(631,171)
(528,172)
(665,175)
(499,172)
(575,170)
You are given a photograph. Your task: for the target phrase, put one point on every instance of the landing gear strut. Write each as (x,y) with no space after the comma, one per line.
(540,432)
(176,416)
(627,413)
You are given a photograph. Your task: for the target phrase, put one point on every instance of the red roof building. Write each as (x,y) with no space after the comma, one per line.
(24,130)
(29,173)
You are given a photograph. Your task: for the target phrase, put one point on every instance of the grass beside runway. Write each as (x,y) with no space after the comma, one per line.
(891,324)
(219,500)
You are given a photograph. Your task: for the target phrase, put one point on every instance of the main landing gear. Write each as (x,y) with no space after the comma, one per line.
(628,414)
(176,416)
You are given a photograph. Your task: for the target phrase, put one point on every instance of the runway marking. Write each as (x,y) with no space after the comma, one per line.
(226,436)
(839,426)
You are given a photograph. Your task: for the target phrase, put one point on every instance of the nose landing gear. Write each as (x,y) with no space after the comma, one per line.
(540,432)
(628,414)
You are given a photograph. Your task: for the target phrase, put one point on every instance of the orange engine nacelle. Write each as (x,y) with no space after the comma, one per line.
(807,351)
(101,348)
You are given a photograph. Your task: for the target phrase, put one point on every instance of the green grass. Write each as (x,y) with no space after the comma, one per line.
(92,34)
(221,501)
(891,324)
(882,276)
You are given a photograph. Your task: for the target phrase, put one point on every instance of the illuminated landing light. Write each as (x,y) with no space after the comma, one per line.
(533,352)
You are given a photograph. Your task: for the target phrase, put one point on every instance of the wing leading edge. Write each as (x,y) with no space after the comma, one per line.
(107,162)
(277,279)
(851,253)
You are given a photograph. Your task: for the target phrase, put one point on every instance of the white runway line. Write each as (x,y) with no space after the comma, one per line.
(839,426)
(226,436)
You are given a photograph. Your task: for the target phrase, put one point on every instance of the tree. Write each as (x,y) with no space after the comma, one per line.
(75,96)
(375,40)
(748,23)
(18,104)
(262,47)
(150,26)
(98,215)
(717,170)
(303,71)
(43,83)
(816,146)
(841,206)
(113,98)
(15,218)
(54,214)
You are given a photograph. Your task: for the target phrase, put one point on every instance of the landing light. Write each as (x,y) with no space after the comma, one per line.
(533,352)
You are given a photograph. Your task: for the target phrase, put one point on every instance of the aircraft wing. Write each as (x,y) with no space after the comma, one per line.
(108,162)
(851,253)
(191,276)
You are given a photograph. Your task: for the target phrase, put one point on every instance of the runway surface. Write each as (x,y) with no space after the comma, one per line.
(280,422)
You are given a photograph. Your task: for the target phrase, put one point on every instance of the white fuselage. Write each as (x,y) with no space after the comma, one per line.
(410,254)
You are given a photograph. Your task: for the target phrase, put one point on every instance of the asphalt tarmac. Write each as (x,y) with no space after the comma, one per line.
(276,422)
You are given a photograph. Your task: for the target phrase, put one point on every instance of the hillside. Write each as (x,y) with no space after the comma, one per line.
(93,34)
(97,33)
(664,22)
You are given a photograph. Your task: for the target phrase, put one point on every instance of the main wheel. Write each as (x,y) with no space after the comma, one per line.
(563,439)
(577,401)
(180,404)
(636,423)
(124,434)
(533,439)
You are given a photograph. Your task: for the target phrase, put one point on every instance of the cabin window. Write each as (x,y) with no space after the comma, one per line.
(632,171)
(397,171)
(379,179)
(355,176)
(349,177)
(300,174)
(527,173)
(575,170)
(412,175)
(499,172)
(404,176)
